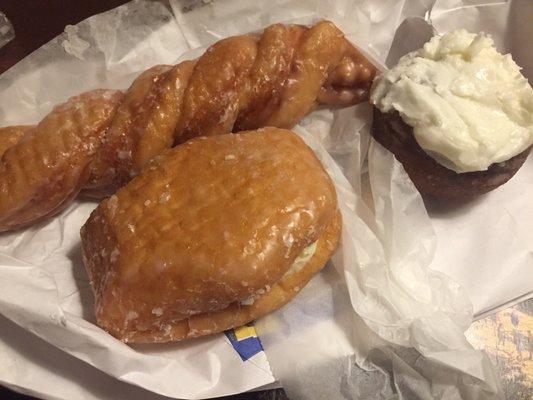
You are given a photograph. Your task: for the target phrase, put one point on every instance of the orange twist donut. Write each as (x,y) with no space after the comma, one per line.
(99,140)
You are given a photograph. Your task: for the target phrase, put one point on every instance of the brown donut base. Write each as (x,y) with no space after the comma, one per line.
(430,177)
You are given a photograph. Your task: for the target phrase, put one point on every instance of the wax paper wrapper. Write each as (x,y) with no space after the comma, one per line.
(380,306)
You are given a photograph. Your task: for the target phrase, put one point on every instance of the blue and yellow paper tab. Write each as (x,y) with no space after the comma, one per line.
(245,341)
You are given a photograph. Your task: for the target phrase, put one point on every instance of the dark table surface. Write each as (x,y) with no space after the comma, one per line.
(37,21)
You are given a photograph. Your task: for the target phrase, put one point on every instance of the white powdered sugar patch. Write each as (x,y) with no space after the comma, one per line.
(123,154)
(114,255)
(157,311)
(131,315)
(112,204)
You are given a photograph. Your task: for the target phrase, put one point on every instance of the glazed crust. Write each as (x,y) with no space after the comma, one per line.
(207,225)
(11,135)
(142,126)
(430,177)
(272,78)
(237,314)
(44,170)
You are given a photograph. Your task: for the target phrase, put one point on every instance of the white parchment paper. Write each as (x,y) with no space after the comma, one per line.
(389,241)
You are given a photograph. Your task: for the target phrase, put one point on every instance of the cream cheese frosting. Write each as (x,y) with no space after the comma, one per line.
(469,106)
(300,262)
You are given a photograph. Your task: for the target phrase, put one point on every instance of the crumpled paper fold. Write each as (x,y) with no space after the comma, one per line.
(385,319)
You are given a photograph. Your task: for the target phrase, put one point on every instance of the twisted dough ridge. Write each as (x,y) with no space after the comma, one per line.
(99,140)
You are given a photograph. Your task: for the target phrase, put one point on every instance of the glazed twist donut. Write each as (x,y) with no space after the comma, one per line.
(99,140)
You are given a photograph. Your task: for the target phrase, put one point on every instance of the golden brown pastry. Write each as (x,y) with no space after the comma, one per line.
(272,78)
(11,135)
(44,169)
(205,238)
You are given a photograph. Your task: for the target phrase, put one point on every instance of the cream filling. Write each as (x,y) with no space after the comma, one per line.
(298,264)
(469,106)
